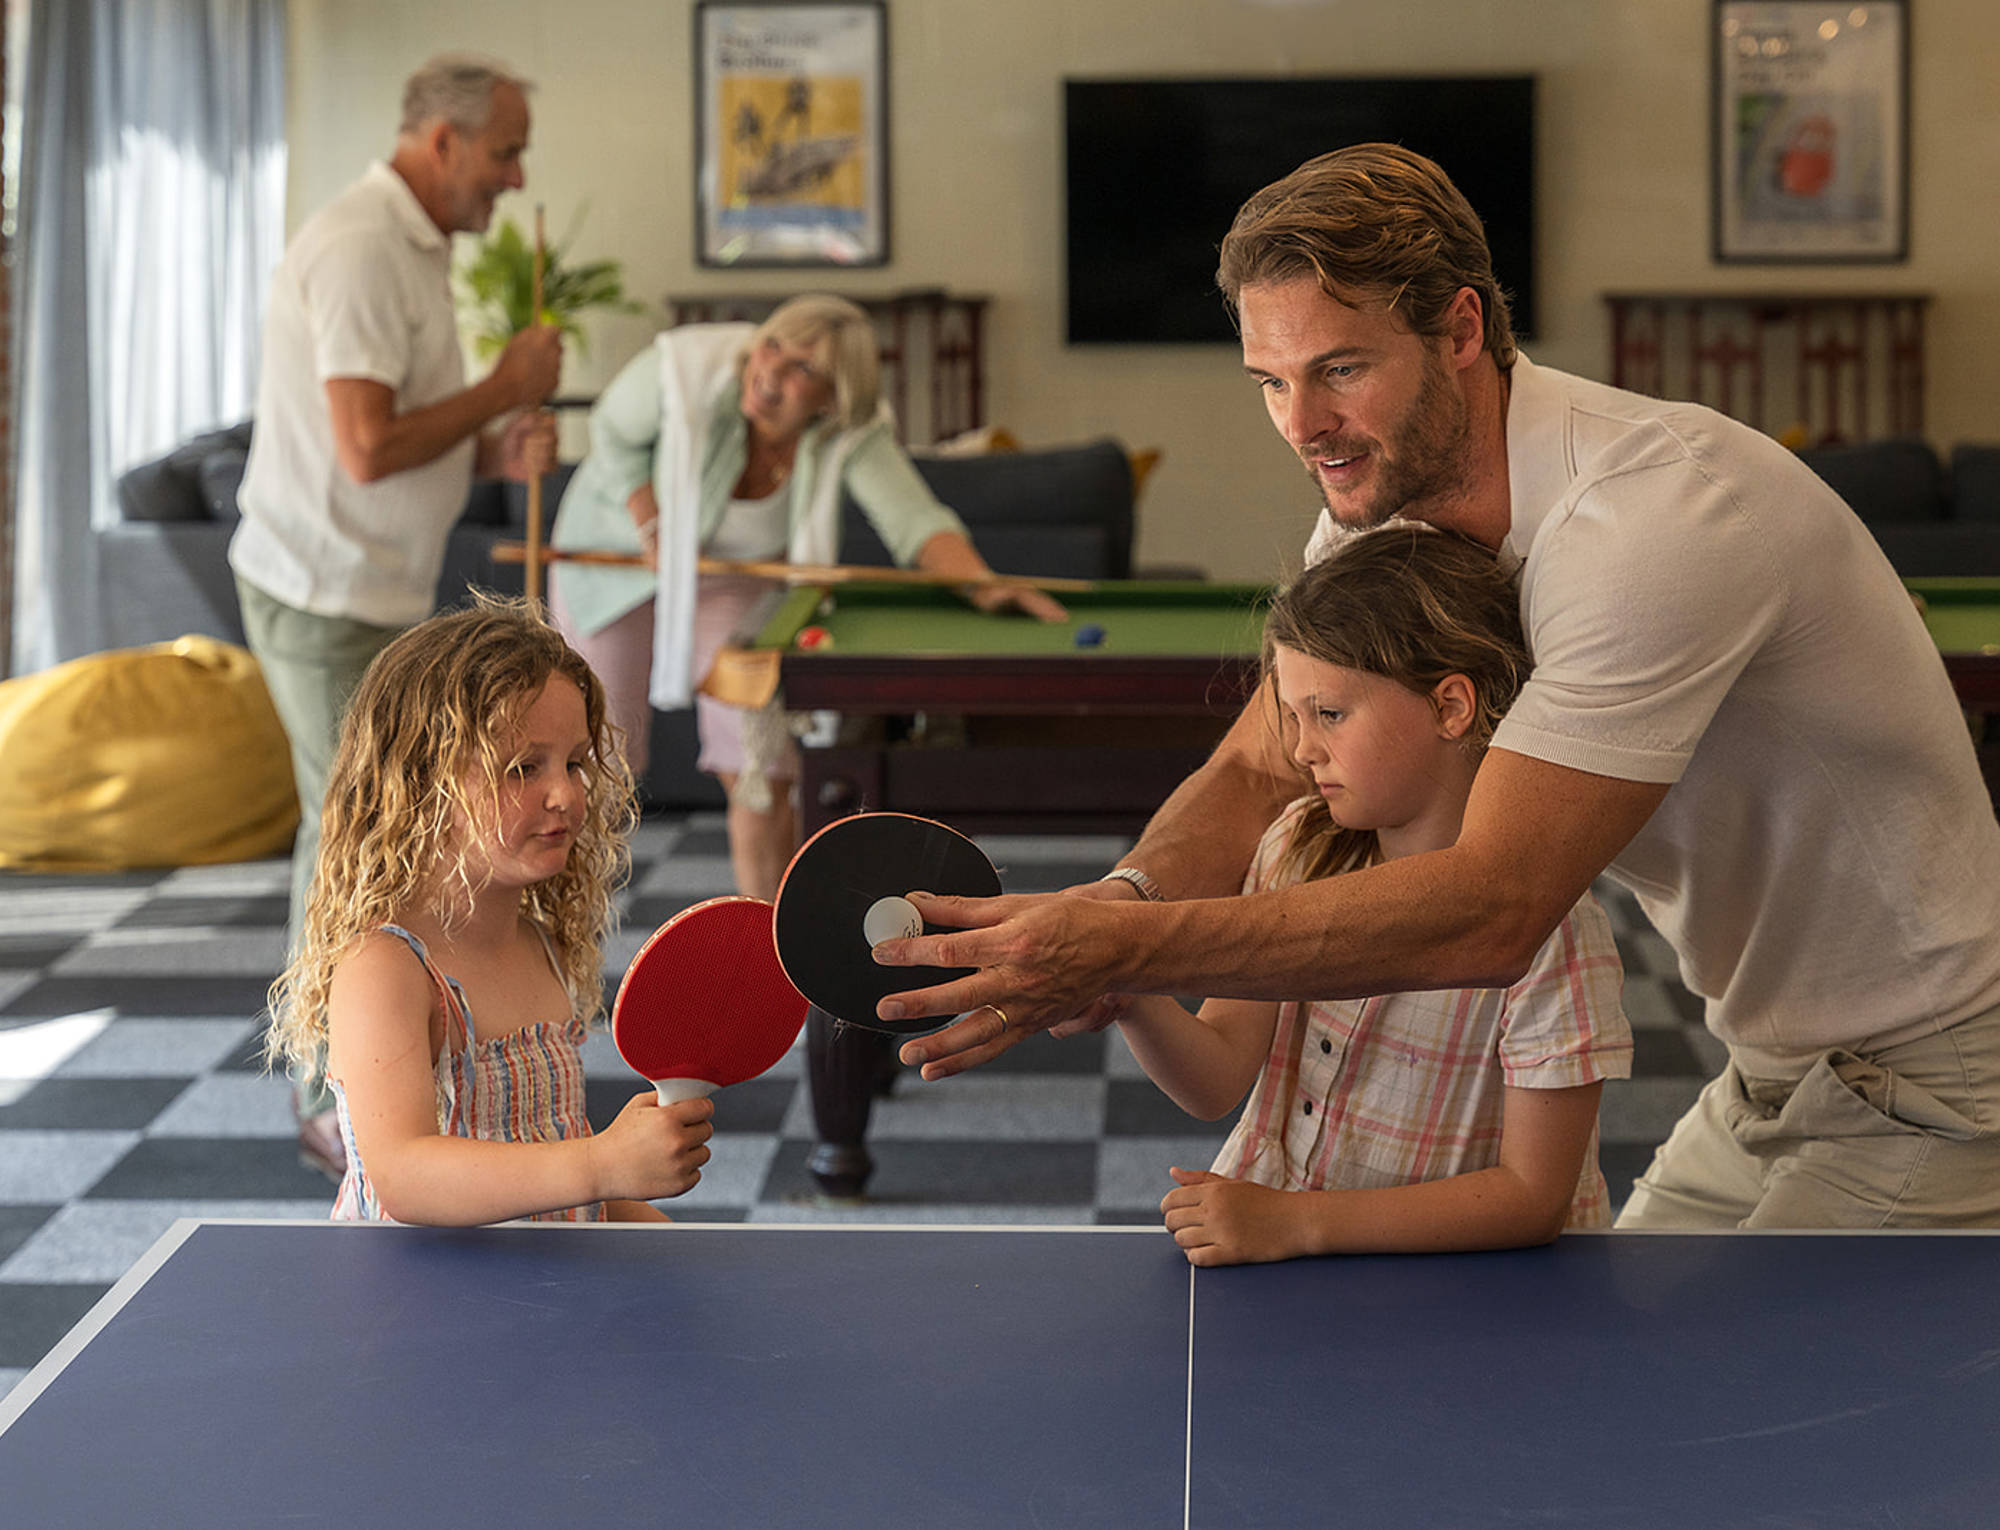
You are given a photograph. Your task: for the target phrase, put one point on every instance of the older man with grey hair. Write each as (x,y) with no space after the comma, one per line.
(368,436)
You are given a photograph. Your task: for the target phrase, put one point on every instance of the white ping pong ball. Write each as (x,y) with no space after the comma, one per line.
(891,919)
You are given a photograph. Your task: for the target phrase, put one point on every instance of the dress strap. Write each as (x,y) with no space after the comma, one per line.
(451,997)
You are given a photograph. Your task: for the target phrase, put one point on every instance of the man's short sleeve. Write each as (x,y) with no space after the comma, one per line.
(1644,597)
(359,326)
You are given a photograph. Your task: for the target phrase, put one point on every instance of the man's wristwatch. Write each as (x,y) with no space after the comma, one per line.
(1148,888)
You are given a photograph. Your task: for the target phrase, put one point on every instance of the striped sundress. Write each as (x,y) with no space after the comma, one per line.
(526,1086)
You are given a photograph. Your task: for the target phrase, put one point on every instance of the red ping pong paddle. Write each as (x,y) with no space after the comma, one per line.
(705,1003)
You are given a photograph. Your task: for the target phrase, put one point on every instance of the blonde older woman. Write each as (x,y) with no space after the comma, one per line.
(736,441)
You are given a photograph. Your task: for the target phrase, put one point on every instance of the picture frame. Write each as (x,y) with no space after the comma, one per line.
(791,132)
(1810,125)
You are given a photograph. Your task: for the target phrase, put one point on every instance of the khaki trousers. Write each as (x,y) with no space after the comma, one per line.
(1907,1136)
(311,666)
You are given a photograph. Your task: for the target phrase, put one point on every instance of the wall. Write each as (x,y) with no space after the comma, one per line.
(975,102)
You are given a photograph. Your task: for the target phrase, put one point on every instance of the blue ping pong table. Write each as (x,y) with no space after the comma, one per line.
(282,1373)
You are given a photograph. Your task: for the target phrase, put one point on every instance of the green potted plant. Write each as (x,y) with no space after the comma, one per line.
(496,289)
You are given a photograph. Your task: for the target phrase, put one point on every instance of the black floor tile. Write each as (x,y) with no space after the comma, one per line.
(702,839)
(33,1319)
(1070,1056)
(107,1104)
(248,1056)
(758,1105)
(972,1173)
(1049,876)
(1692,1010)
(1663,1054)
(649,912)
(1139,1108)
(213,1168)
(1622,1163)
(239,912)
(138,996)
(33,953)
(17,1225)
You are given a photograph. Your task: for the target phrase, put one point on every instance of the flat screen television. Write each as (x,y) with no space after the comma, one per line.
(1157,169)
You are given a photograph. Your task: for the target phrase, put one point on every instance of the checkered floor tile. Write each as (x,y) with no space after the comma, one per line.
(131,1091)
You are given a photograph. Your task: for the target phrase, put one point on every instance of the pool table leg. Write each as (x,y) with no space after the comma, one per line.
(845,1065)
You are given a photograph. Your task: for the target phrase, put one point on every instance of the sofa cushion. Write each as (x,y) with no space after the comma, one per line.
(172,487)
(217,480)
(1975,482)
(1884,481)
(1064,512)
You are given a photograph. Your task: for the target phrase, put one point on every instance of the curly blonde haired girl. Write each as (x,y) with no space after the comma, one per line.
(451,956)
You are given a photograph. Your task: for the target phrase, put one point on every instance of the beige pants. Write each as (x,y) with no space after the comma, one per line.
(1908,1136)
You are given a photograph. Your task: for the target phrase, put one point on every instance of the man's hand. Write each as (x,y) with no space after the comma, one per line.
(1044,959)
(1230,1221)
(530,366)
(527,446)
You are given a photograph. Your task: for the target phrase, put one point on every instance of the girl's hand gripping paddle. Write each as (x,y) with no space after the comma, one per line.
(705,1003)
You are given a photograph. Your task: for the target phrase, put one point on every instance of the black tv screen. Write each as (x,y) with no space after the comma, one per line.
(1158,168)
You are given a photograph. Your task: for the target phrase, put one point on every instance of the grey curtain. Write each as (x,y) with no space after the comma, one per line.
(151,216)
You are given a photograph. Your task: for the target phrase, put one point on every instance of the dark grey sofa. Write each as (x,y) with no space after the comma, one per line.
(1930,517)
(164,570)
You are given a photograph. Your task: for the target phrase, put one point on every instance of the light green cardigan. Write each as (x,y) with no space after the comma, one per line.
(625,429)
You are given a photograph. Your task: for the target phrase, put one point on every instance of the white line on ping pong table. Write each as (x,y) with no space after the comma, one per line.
(1187,1431)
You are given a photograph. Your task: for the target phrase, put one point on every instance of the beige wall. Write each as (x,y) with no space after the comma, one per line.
(975,101)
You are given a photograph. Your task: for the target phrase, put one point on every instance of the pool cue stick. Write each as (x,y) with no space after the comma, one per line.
(531,577)
(802,573)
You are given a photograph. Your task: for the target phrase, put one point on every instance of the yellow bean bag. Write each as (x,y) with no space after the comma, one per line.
(163,756)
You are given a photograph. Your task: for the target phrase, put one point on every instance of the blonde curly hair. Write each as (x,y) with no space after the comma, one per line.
(1414,605)
(423,751)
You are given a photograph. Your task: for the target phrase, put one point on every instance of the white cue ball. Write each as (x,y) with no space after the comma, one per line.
(891,919)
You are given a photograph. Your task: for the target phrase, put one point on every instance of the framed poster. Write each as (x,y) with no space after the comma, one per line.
(1811,130)
(791,133)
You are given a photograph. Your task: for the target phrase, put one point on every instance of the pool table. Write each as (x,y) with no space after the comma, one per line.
(1963,615)
(1000,723)
(997,723)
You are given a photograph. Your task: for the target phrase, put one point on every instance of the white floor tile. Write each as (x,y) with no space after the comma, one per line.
(1017,1107)
(734,1176)
(237,879)
(1643,1109)
(97,1241)
(230,1105)
(29,908)
(1132,1171)
(177,951)
(157,1049)
(38,1167)
(902,1211)
(689,876)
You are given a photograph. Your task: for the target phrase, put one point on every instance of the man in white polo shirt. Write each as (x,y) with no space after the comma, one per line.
(367,436)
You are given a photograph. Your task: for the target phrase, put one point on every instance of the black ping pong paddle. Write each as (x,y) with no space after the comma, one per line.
(844,891)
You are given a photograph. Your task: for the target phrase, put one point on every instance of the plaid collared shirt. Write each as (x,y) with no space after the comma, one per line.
(1408,1087)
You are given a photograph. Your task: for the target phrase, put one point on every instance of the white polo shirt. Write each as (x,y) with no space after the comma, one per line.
(364,291)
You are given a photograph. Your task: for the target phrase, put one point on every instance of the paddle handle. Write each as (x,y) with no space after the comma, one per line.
(673,1090)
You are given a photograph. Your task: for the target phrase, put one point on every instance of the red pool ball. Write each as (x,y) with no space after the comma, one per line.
(814,637)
